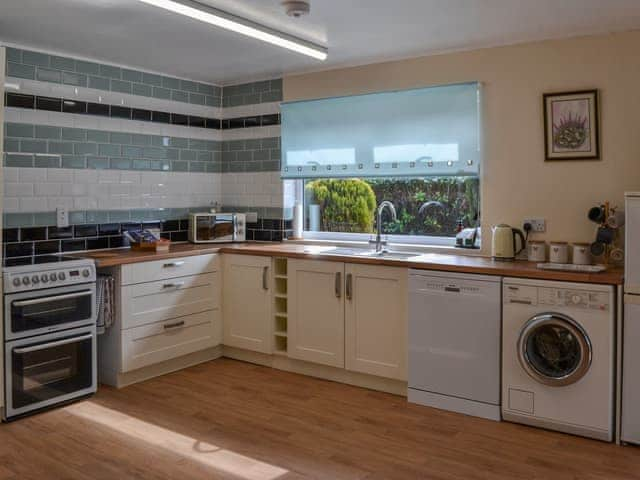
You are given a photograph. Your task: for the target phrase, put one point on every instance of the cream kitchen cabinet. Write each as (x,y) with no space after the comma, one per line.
(316,311)
(246,302)
(376,320)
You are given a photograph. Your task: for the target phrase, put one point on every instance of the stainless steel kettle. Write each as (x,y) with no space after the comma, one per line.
(504,242)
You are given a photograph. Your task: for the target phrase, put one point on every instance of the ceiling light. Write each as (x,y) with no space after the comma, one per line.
(213,16)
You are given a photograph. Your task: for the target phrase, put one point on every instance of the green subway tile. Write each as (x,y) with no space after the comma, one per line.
(245,156)
(161,165)
(226,102)
(179,142)
(85,148)
(163,93)
(188,155)
(139,164)
(205,157)
(19,130)
(271,142)
(275,154)
(18,219)
(197,99)
(47,161)
(47,75)
(160,141)
(14,55)
(33,146)
(63,63)
(261,154)
(94,216)
(110,71)
(271,97)
(120,86)
(251,99)
(151,152)
(212,101)
(128,151)
(141,89)
(271,166)
(131,75)
(217,91)
(213,167)
(121,138)
(77,217)
(252,166)
(235,145)
(188,86)
(140,139)
(77,134)
(35,58)
(46,131)
(152,79)
(120,163)
(17,160)
(179,166)
(119,215)
(99,83)
(89,68)
(253,144)
(76,79)
(259,87)
(99,136)
(109,150)
(196,166)
(172,83)
(70,161)
(229,156)
(11,145)
(97,163)
(235,101)
(178,96)
(205,88)
(236,167)
(172,153)
(197,144)
(21,71)
(243,89)
(65,148)
(276,84)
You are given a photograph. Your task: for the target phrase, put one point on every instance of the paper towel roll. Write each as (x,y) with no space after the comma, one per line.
(298,220)
(314,218)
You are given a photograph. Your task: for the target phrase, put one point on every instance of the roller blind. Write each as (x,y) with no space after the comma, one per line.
(431,131)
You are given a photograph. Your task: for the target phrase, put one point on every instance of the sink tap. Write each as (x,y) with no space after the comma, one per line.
(379,243)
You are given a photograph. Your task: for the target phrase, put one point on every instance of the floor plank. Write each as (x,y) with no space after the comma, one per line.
(232,420)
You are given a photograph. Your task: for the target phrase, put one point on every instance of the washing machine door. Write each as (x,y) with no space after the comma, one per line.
(554,349)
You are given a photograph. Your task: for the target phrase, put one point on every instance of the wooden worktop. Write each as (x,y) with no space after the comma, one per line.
(427,261)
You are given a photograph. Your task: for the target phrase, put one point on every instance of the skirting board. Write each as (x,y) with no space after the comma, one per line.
(559,427)
(454,404)
(119,380)
(396,387)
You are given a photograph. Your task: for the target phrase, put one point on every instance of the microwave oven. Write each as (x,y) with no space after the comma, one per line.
(217,227)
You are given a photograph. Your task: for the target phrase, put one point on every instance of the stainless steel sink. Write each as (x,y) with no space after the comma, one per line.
(360,252)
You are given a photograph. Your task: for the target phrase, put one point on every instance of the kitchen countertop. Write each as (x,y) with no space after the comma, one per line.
(427,261)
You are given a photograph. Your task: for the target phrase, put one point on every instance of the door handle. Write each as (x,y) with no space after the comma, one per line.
(57,343)
(52,298)
(349,286)
(173,285)
(338,285)
(169,326)
(265,278)
(173,264)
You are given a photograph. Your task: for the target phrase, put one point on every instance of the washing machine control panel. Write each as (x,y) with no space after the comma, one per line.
(556,297)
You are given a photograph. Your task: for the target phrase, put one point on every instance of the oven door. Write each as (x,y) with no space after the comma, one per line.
(50,369)
(43,311)
(214,228)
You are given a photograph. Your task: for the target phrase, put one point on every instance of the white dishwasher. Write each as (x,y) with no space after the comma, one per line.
(454,342)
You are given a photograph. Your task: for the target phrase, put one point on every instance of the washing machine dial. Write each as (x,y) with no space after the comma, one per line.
(575,299)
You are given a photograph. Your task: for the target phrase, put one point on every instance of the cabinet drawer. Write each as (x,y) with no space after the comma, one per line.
(150,344)
(151,302)
(174,267)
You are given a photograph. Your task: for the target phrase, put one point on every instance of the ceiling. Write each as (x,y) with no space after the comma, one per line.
(132,33)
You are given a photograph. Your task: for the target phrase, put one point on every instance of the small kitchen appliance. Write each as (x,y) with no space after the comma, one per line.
(210,227)
(504,242)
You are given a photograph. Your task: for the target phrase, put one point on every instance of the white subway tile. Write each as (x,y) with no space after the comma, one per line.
(47,189)
(32,175)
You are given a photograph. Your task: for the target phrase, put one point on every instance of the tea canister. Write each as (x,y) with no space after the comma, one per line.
(581,253)
(537,251)
(559,252)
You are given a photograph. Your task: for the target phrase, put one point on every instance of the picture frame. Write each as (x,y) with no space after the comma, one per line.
(571,125)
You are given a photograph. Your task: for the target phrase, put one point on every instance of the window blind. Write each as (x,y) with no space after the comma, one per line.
(432,131)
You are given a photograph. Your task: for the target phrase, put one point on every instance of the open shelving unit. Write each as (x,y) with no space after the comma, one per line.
(280,312)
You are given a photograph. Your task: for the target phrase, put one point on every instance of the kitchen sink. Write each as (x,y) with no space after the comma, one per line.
(359,252)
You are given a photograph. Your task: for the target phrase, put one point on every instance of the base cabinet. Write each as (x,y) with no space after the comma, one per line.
(246,302)
(376,320)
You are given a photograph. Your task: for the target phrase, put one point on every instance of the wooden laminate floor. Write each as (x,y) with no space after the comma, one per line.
(227,419)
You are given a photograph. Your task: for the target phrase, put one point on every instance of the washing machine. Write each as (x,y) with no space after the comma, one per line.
(558,356)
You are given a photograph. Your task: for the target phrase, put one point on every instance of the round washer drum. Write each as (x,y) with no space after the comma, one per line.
(554,349)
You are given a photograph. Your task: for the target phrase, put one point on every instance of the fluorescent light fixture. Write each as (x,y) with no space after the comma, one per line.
(213,16)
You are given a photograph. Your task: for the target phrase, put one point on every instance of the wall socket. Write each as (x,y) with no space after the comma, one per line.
(538,225)
(62,217)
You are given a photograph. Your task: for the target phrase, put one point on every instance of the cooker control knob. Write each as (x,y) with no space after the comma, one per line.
(86,272)
(26,281)
(575,299)
(53,276)
(44,278)
(16,281)
(62,276)
(35,279)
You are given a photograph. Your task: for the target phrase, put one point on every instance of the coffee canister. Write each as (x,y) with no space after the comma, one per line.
(559,252)
(581,253)
(537,251)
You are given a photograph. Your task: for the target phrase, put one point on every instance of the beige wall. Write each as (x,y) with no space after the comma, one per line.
(517,183)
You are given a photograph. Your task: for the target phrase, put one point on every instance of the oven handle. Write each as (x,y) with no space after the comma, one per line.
(38,301)
(36,348)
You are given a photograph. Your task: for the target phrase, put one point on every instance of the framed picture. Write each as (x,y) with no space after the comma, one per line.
(571,128)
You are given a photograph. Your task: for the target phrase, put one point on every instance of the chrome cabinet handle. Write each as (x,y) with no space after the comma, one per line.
(173,264)
(169,326)
(53,298)
(37,348)
(338,285)
(349,286)
(265,279)
(173,285)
